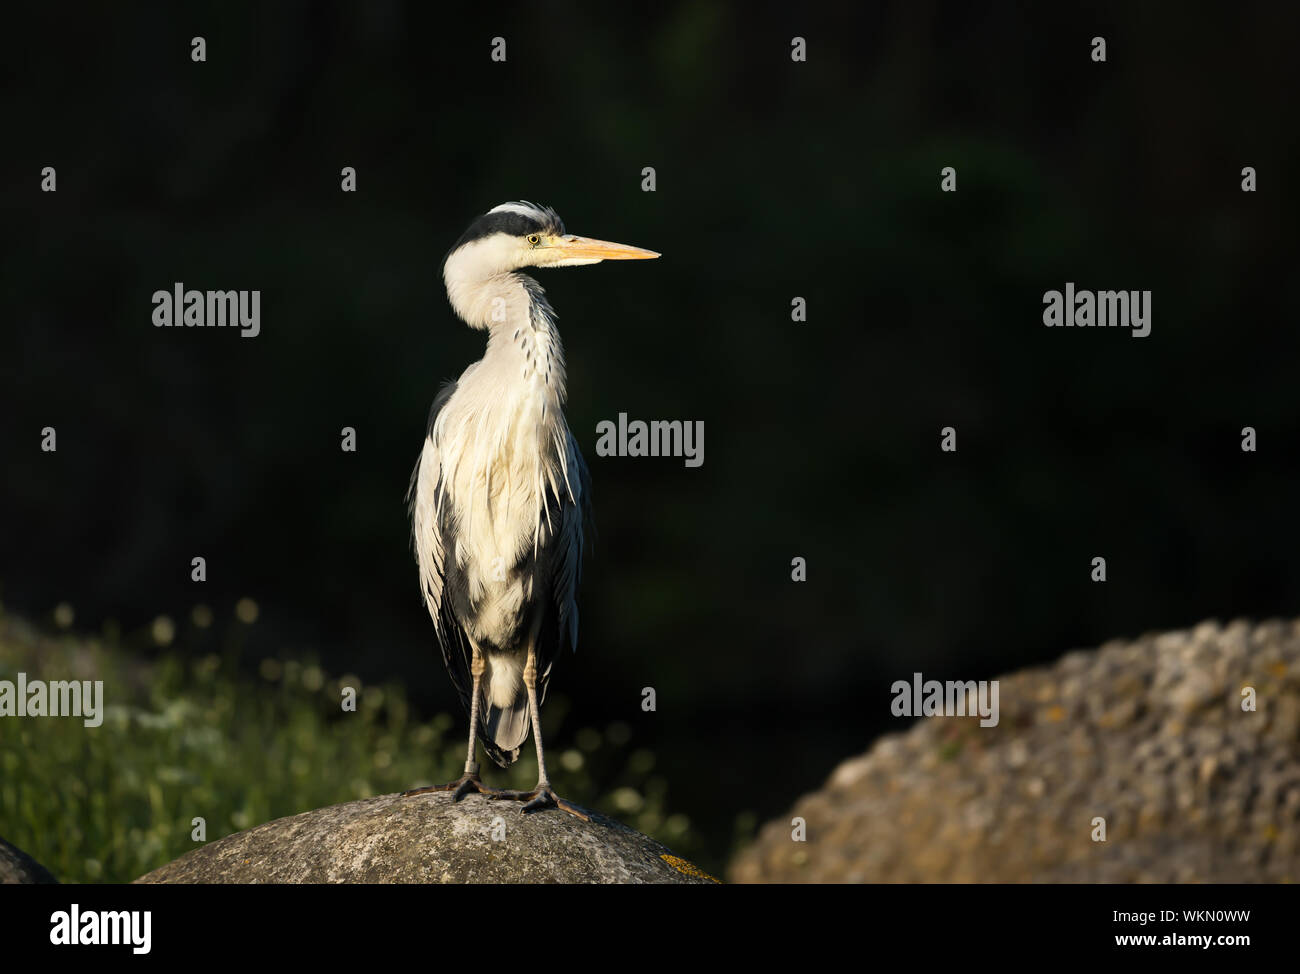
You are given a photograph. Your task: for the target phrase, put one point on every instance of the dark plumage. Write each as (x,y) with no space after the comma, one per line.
(512,223)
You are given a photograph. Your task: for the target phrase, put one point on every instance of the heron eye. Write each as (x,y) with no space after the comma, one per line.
(534,239)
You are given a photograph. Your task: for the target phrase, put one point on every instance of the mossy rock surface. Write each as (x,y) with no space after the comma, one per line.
(431,839)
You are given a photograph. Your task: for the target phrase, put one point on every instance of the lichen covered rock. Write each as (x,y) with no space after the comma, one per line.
(1149,736)
(430,839)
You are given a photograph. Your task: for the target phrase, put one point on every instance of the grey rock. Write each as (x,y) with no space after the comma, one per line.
(18,868)
(1148,734)
(431,839)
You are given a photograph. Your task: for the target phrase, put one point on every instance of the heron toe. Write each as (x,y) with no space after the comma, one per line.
(542,797)
(459,788)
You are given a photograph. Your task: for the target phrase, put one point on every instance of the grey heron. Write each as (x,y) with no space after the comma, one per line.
(500,493)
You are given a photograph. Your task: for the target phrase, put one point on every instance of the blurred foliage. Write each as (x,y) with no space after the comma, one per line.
(186,736)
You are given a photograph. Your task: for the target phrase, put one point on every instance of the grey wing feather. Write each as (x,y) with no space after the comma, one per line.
(430,553)
(574,527)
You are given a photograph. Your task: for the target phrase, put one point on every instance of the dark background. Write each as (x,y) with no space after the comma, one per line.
(775,179)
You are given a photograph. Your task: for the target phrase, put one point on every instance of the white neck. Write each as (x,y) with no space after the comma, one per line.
(524,346)
(516,390)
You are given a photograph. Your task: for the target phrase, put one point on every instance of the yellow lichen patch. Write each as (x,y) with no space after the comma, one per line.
(688,868)
(1055,713)
(1277,669)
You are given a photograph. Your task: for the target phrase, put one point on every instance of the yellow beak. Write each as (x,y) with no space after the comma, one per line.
(572,246)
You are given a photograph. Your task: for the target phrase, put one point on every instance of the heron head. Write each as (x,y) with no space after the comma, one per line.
(517,235)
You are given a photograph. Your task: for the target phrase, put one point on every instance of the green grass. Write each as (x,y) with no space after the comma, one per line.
(187,737)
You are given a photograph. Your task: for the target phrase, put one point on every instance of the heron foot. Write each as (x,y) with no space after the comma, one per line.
(543,796)
(459,788)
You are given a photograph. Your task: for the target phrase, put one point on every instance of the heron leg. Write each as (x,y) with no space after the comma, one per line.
(543,796)
(469,781)
(476,670)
